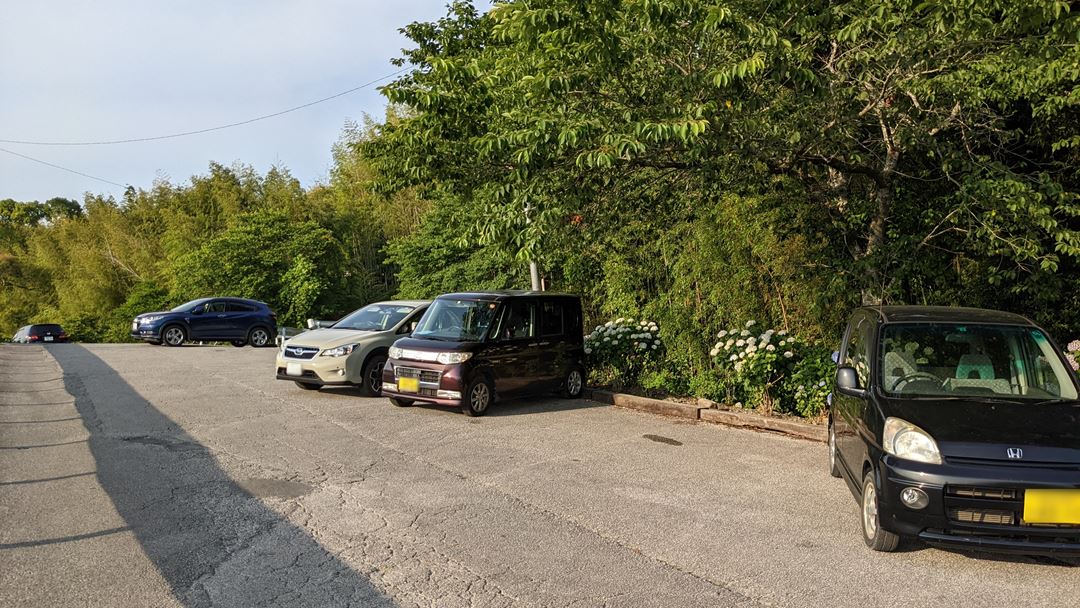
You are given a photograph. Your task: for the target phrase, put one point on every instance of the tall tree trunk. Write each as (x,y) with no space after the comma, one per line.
(883,197)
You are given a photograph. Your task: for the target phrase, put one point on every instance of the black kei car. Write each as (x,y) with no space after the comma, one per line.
(469,348)
(959,427)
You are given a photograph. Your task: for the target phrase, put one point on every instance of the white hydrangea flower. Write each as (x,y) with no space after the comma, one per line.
(751,323)
(714,352)
(607,339)
(741,343)
(770,348)
(723,333)
(588,351)
(733,358)
(729,344)
(655,346)
(744,332)
(742,355)
(788,354)
(782,332)
(751,349)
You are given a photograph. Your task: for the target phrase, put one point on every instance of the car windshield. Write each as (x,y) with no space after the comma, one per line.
(375,317)
(188,306)
(457,320)
(993,362)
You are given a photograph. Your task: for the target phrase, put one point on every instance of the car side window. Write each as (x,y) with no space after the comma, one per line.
(551,318)
(239,307)
(410,324)
(857,353)
(519,321)
(214,307)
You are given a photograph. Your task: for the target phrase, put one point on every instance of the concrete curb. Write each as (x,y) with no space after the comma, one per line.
(705,412)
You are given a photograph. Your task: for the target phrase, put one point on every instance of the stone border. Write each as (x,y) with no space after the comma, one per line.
(706,411)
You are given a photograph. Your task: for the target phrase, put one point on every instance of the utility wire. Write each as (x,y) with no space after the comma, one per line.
(197,131)
(37,160)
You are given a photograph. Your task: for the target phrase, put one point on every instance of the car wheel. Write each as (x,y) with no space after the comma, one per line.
(478,397)
(238,343)
(834,465)
(401,402)
(259,337)
(574,383)
(173,335)
(307,386)
(372,383)
(876,538)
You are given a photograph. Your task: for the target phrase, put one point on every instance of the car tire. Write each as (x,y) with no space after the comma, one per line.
(238,343)
(875,537)
(371,385)
(173,335)
(573,385)
(307,386)
(834,464)
(398,401)
(478,397)
(260,337)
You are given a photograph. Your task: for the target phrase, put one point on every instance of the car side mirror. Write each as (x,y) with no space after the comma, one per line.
(847,382)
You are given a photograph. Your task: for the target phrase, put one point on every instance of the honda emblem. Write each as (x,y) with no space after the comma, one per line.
(1014,453)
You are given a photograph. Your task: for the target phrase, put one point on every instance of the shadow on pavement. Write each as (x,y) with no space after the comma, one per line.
(213,541)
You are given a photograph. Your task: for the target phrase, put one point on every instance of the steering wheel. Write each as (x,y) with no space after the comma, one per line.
(914,376)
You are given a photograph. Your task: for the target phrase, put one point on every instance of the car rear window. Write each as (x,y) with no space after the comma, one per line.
(40,330)
(551,318)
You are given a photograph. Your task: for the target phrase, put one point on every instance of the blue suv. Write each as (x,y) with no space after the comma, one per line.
(232,320)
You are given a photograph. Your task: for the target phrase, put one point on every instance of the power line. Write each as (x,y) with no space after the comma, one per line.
(197,131)
(38,160)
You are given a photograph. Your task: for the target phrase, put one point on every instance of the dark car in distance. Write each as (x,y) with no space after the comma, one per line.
(234,320)
(959,427)
(40,333)
(469,348)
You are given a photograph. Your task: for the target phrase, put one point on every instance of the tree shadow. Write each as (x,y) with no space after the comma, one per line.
(210,537)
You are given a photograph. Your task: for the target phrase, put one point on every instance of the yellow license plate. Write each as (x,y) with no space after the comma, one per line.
(408,385)
(1052,506)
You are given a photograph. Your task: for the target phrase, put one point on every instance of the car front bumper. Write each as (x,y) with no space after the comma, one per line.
(321,371)
(975,506)
(436,383)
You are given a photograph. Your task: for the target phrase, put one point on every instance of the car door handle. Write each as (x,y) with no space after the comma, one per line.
(220,316)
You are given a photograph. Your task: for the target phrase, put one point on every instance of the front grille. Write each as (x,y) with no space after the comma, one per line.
(983,516)
(991,493)
(300,352)
(991,506)
(425,375)
(428,392)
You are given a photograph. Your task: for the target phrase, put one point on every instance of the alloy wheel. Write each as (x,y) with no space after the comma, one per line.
(479,397)
(259,337)
(870,511)
(574,382)
(375,379)
(174,336)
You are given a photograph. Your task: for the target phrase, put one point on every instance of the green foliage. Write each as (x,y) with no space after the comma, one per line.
(289,265)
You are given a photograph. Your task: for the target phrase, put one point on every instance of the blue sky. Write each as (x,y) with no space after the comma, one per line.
(118,69)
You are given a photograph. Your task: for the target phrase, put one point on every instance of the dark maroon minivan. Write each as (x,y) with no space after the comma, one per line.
(469,348)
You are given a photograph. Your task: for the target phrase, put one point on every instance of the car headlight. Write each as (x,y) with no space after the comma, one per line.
(149,320)
(451,358)
(395,352)
(338,351)
(905,440)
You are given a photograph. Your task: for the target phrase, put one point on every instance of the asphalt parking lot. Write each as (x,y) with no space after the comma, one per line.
(133,475)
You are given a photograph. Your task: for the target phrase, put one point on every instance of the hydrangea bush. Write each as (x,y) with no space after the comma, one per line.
(623,348)
(1072,351)
(772,369)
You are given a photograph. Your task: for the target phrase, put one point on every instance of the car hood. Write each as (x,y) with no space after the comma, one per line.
(152,314)
(986,430)
(436,345)
(329,337)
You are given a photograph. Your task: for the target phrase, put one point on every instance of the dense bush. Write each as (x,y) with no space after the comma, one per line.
(620,350)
